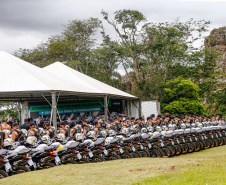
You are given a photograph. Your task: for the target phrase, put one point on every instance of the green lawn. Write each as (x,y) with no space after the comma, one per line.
(205,167)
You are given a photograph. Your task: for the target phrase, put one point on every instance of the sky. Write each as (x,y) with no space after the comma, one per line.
(26,23)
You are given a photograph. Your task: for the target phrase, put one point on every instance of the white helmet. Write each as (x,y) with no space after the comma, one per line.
(42,131)
(164,128)
(134,127)
(200,125)
(144,130)
(32,140)
(79,137)
(158,128)
(45,139)
(8,142)
(170,126)
(111,133)
(125,131)
(193,125)
(183,126)
(91,134)
(103,133)
(150,129)
(61,137)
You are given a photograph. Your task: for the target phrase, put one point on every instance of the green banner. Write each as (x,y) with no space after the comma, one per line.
(68,106)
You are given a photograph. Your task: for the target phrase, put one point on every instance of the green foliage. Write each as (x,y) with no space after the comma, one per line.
(216,103)
(180,88)
(7,109)
(181,95)
(183,105)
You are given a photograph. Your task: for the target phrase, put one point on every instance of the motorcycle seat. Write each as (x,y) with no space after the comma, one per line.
(167,135)
(73,145)
(126,140)
(99,141)
(3,152)
(145,136)
(156,135)
(36,153)
(49,148)
(115,140)
(22,152)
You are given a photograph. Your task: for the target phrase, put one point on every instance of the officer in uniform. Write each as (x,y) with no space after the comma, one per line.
(49,130)
(63,129)
(112,126)
(33,131)
(17,135)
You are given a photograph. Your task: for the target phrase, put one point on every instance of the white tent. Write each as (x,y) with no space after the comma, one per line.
(77,78)
(20,77)
(22,81)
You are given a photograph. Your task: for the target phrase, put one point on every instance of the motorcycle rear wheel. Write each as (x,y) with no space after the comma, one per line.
(202,145)
(179,149)
(145,153)
(156,152)
(126,155)
(212,143)
(83,161)
(70,162)
(216,142)
(136,154)
(112,157)
(97,159)
(197,146)
(221,141)
(21,169)
(48,165)
(191,147)
(166,151)
(207,144)
(172,149)
(3,174)
(185,148)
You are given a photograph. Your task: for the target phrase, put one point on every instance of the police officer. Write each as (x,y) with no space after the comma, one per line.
(96,127)
(118,124)
(17,135)
(74,129)
(33,131)
(49,130)
(112,125)
(63,129)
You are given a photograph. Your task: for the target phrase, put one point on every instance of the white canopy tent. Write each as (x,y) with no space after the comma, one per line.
(22,81)
(70,75)
(76,77)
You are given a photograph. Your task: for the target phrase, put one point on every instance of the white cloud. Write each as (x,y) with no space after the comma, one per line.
(25,23)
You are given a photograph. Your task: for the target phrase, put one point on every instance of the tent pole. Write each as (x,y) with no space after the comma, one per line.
(131,109)
(106,108)
(140,108)
(20,122)
(54,105)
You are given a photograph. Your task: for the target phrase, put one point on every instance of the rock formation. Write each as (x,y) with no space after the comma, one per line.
(217,39)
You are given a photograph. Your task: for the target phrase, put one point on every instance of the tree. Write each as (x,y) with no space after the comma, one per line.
(152,50)
(181,96)
(8,108)
(77,47)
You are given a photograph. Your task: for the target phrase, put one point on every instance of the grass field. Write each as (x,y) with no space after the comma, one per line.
(204,167)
